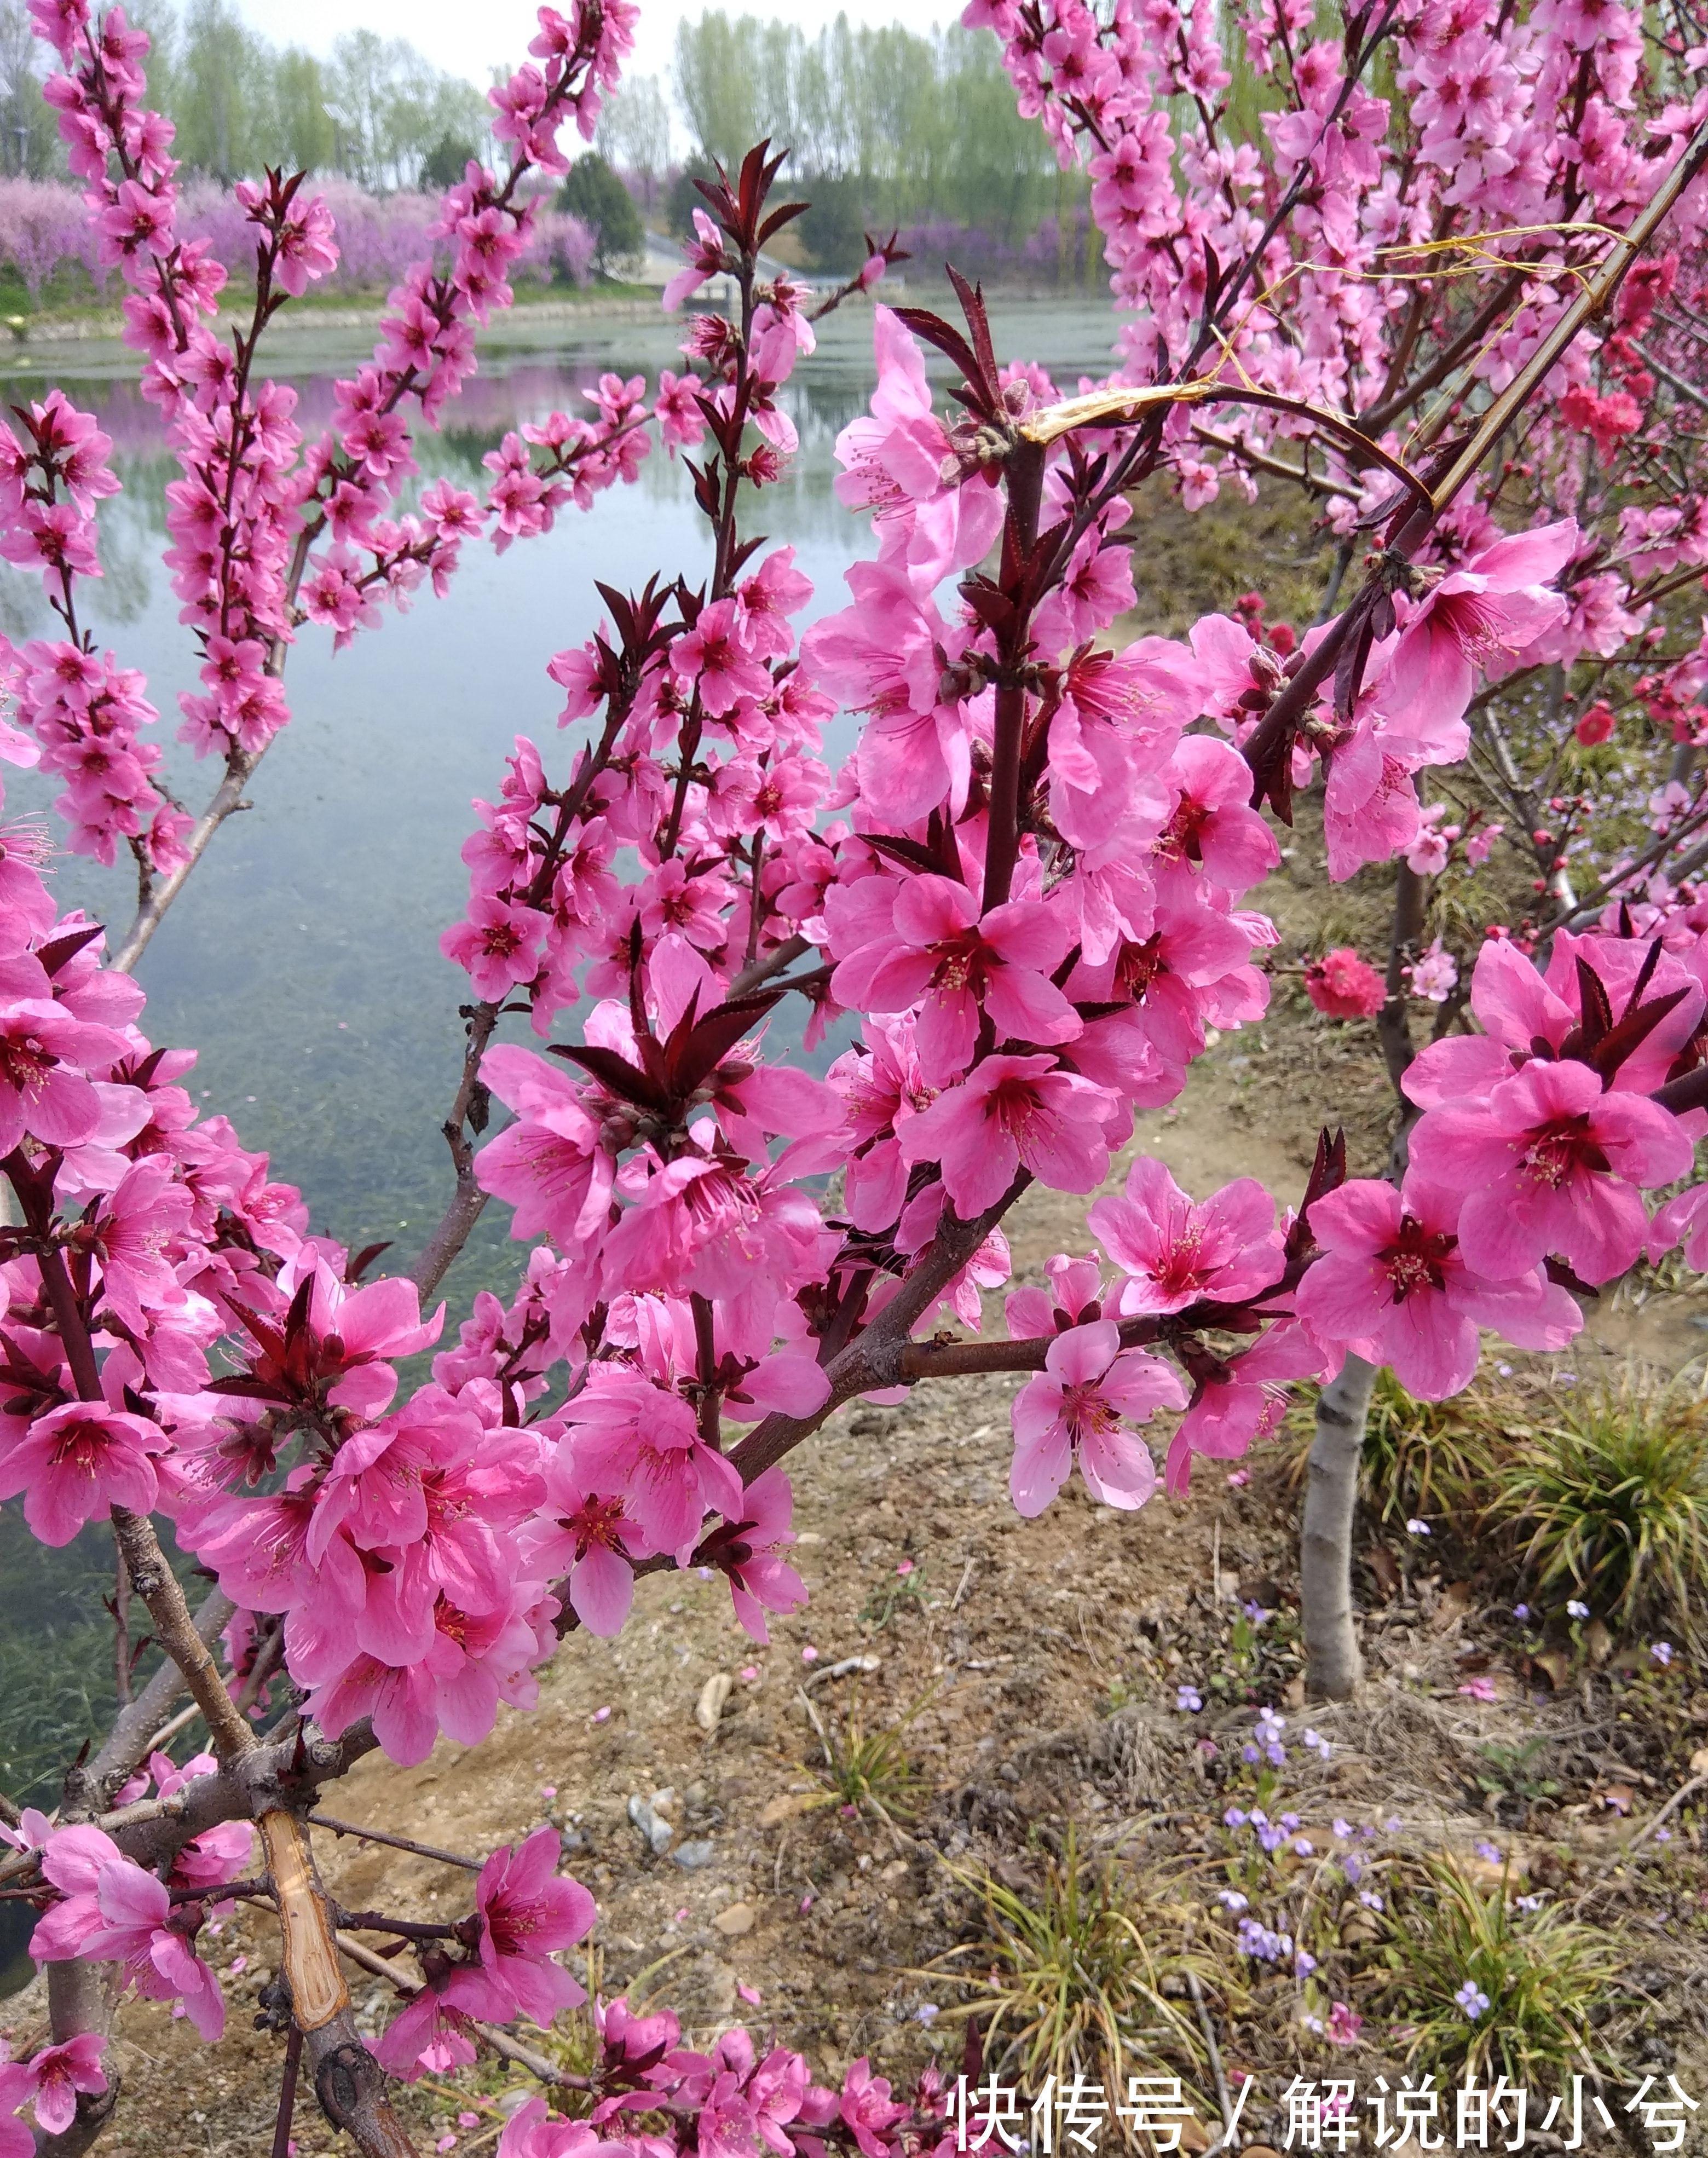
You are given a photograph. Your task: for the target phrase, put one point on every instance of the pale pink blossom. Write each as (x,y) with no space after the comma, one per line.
(958,966)
(590,1536)
(74,1463)
(1549,1164)
(1394,1284)
(528,1914)
(1080,1408)
(749,1550)
(60,2072)
(1009,1113)
(1240,1399)
(1483,616)
(1175,1251)
(894,463)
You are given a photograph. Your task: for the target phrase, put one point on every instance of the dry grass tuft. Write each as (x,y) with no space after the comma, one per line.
(1081,1975)
(1605,1489)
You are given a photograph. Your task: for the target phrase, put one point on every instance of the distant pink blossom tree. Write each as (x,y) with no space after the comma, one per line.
(44,224)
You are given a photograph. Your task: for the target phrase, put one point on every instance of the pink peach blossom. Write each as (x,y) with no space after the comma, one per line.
(1482,616)
(73,1463)
(1079,1408)
(1549,1164)
(1175,1251)
(1394,1285)
(958,966)
(1237,1401)
(1012,1112)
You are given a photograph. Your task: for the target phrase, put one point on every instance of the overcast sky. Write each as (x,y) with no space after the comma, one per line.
(473,39)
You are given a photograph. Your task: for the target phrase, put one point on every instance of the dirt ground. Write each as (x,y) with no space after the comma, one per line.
(1036,1666)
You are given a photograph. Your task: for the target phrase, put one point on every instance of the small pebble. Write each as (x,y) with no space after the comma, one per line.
(655,1832)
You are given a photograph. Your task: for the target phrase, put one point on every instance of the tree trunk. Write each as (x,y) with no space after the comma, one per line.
(1335,1665)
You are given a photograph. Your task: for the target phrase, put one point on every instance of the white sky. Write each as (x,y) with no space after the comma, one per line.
(473,36)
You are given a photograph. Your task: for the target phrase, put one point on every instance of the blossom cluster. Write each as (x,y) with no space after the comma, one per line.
(732,2097)
(1012,1016)
(1511,125)
(102,1905)
(1304,271)
(504,1962)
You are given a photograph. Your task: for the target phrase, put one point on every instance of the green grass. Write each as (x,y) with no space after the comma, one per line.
(1606,1492)
(1548,1978)
(69,295)
(872,1772)
(1423,1460)
(1074,1978)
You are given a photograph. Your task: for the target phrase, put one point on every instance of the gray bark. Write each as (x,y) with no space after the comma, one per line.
(1335,1666)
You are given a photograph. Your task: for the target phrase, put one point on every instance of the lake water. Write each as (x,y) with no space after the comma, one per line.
(302,959)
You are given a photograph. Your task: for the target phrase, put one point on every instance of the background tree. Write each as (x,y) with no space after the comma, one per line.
(392,109)
(222,102)
(445,163)
(635,136)
(28,139)
(885,124)
(308,139)
(834,229)
(593,193)
(717,86)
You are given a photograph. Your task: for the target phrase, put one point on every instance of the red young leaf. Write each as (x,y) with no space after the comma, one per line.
(617,1076)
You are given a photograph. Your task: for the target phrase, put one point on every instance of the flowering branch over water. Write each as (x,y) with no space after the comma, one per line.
(1024,900)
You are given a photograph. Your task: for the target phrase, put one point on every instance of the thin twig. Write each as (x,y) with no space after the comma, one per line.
(1214,2052)
(371,1959)
(288,2093)
(1228,2134)
(130,1740)
(169,1730)
(402,1929)
(397,1842)
(511,2049)
(121,1630)
(1673,1804)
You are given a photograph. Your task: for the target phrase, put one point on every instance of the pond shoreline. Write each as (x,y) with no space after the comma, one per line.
(38,342)
(36,339)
